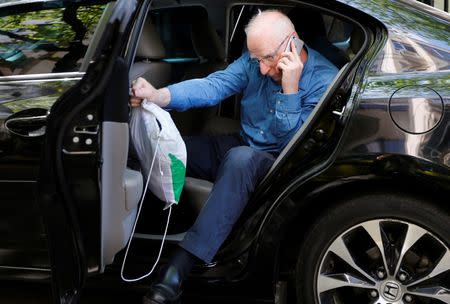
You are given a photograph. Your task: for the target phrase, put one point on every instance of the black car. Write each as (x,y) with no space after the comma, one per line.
(354,210)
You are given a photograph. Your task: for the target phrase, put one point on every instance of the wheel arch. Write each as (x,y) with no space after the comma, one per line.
(287,224)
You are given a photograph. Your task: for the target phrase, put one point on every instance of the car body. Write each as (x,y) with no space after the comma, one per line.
(355,207)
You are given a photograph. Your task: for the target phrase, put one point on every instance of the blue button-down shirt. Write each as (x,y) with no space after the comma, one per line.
(269,118)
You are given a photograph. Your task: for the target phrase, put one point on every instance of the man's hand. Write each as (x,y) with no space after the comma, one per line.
(142,89)
(292,68)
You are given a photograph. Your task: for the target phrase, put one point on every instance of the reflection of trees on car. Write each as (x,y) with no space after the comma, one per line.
(76,49)
(57,36)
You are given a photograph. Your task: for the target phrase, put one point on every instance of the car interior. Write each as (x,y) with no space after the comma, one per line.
(180,43)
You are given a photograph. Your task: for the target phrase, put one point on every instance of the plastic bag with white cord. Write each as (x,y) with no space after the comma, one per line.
(162,155)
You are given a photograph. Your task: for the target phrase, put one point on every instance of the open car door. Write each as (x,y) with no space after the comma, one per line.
(87,194)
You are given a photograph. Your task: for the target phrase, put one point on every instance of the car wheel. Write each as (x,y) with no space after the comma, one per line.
(376,249)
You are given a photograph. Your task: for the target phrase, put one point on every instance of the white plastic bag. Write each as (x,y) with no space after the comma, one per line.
(153,131)
(162,154)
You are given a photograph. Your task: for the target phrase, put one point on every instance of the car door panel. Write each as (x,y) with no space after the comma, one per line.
(121,187)
(83,178)
(23,100)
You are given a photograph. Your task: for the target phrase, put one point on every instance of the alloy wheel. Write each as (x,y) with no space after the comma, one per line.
(385,261)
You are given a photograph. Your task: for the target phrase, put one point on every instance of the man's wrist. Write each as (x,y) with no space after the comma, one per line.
(162,97)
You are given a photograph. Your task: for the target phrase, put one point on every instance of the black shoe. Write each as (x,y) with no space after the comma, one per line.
(166,289)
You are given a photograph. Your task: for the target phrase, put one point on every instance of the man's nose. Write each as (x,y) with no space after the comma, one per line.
(264,69)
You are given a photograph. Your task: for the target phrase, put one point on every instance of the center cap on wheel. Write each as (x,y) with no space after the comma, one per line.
(391,291)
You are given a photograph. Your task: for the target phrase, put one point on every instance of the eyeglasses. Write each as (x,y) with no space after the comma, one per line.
(269,59)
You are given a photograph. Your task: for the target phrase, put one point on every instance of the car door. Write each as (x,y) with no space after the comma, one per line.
(44,49)
(88,195)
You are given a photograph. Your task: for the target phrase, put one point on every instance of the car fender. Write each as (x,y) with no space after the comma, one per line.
(285,225)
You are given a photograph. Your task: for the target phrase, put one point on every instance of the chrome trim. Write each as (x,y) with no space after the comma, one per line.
(17,181)
(86,132)
(339,113)
(34,133)
(78,152)
(28,118)
(43,77)
(24,268)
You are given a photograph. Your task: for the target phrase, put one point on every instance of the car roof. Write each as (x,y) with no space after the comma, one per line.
(26,2)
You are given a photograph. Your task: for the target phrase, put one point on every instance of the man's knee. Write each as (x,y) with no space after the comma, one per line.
(239,158)
(246,159)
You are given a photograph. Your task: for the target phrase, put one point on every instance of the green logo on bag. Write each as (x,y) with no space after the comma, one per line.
(178,176)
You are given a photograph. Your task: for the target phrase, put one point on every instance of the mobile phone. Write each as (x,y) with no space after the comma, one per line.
(298,44)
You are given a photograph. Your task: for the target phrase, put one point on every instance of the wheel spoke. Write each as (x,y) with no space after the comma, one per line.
(337,280)
(340,249)
(374,230)
(413,234)
(442,266)
(436,292)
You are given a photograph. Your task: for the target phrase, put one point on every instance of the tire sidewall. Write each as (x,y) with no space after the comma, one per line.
(334,221)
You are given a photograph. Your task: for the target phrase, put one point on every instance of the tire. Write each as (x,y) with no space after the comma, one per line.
(339,261)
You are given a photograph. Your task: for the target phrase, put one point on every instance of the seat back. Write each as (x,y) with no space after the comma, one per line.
(211,53)
(149,55)
(311,28)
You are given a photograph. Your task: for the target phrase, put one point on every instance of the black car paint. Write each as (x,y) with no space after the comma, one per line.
(73,244)
(355,170)
(352,165)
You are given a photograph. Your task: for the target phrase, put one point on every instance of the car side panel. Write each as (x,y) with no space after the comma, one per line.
(404,103)
(417,36)
(416,123)
(22,234)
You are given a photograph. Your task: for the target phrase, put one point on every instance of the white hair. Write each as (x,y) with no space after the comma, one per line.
(281,25)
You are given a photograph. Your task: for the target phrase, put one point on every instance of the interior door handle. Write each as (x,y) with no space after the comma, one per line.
(27,123)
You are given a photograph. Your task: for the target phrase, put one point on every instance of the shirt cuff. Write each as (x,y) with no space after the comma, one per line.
(288,102)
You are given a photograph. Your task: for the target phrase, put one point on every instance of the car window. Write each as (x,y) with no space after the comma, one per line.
(338,31)
(47,40)
(175,28)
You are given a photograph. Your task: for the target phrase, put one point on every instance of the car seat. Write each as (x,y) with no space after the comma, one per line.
(211,54)
(149,57)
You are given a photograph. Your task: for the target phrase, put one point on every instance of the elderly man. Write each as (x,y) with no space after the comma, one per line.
(280,86)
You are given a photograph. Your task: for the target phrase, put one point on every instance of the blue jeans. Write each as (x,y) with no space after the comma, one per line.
(236,169)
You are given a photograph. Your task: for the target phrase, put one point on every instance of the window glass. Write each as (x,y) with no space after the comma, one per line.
(46,41)
(175,28)
(338,31)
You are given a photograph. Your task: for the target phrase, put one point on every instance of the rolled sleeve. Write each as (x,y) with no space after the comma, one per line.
(209,91)
(177,98)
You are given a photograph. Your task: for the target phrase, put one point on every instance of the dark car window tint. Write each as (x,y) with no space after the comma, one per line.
(46,41)
(338,31)
(175,28)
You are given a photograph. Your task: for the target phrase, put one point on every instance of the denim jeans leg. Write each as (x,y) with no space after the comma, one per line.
(205,153)
(239,173)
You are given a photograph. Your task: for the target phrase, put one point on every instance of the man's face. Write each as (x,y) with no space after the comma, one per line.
(267,52)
